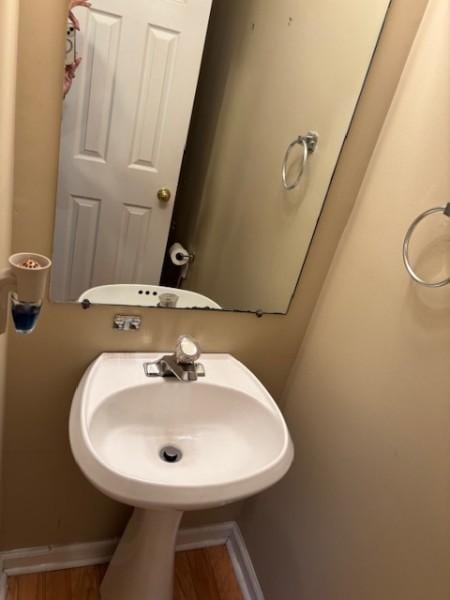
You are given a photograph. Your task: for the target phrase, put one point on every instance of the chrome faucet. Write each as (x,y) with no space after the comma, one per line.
(182,364)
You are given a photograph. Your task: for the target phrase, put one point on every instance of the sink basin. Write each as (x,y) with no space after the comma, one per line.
(232,437)
(157,443)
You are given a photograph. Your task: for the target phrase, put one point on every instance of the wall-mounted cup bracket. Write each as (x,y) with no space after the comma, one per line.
(7,285)
(22,288)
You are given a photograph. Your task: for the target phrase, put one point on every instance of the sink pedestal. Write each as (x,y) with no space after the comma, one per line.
(143,564)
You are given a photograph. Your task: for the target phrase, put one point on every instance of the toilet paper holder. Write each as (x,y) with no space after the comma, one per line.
(190,256)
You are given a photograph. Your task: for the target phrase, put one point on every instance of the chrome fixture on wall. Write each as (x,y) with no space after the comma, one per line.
(127,323)
(309,144)
(439,209)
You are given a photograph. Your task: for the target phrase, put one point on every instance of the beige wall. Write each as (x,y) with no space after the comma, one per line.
(272,71)
(47,500)
(364,512)
(8,49)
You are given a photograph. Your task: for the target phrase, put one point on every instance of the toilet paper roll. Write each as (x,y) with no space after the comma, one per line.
(179,255)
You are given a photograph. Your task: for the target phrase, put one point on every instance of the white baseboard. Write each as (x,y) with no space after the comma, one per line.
(53,558)
(2,585)
(243,566)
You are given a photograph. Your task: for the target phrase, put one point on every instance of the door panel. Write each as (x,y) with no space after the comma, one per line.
(133,246)
(100,62)
(157,73)
(84,216)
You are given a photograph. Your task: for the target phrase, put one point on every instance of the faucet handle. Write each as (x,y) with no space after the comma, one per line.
(187,350)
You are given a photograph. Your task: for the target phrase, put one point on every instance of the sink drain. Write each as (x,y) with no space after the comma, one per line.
(170,454)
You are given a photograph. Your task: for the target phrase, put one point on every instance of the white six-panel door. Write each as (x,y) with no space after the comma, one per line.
(124,131)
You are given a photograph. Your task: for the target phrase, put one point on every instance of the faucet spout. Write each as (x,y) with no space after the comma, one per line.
(182,364)
(184,372)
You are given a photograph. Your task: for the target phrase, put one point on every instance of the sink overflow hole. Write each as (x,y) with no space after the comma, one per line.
(170,454)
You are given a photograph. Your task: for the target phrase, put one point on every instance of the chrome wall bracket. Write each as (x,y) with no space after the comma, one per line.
(311,140)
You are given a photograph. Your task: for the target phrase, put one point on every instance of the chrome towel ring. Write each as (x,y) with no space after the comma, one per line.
(439,209)
(309,143)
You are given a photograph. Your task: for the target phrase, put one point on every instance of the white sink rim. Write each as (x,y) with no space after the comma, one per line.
(153,494)
(145,295)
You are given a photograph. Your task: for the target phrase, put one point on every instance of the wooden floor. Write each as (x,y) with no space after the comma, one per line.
(199,575)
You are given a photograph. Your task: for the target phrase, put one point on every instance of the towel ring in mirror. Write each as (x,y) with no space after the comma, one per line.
(439,209)
(309,144)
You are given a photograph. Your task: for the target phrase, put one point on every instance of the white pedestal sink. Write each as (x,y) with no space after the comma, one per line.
(164,447)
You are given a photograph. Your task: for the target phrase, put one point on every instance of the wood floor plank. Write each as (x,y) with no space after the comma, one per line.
(205,574)
(204,581)
(224,574)
(12,589)
(26,586)
(184,579)
(57,585)
(85,583)
(100,571)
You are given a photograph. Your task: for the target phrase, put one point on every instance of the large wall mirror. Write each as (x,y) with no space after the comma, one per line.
(198,143)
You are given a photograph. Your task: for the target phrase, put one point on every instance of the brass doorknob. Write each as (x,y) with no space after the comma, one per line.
(164,195)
